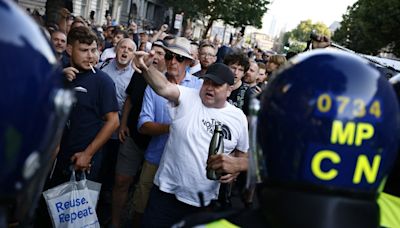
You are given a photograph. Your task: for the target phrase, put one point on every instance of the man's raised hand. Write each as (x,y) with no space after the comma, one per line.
(142,60)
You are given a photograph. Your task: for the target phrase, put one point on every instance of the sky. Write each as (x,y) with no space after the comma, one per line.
(289,13)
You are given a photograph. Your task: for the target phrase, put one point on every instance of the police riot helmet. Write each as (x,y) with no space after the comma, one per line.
(392,185)
(34,108)
(395,81)
(329,121)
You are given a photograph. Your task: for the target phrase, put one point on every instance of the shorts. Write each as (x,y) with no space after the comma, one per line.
(141,195)
(130,158)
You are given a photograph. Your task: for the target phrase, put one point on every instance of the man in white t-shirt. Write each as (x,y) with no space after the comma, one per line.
(181,176)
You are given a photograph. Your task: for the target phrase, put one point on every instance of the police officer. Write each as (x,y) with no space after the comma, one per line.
(34,108)
(328,131)
(389,199)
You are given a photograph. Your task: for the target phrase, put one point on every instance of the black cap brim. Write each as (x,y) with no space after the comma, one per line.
(214,79)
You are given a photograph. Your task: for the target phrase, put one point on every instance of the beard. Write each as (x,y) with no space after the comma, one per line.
(124,62)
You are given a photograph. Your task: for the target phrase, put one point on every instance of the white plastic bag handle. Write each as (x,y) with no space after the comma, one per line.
(73,177)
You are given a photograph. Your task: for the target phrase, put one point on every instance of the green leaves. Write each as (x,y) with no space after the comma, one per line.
(298,37)
(234,12)
(369,26)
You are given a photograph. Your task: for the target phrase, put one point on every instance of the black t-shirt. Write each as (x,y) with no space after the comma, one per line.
(95,96)
(240,98)
(65,60)
(135,90)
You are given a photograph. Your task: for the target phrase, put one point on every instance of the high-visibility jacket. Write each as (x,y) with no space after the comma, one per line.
(390,210)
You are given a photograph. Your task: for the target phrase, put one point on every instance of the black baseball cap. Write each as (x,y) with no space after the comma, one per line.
(220,74)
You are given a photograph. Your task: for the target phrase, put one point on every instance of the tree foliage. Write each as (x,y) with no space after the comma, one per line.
(234,12)
(370,26)
(297,47)
(297,38)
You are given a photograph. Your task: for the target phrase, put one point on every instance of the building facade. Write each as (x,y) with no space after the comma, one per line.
(39,5)
(147,14)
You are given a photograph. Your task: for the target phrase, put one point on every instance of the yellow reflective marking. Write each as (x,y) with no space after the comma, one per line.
(316,164)
(222,223)
(375,109)
(324,102)
(343,135)
(359,108)
(344,101)
(364,131)
(364,167)
(351,133)
(389,206)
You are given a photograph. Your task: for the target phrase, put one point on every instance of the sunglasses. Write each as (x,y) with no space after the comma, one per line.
(169,56)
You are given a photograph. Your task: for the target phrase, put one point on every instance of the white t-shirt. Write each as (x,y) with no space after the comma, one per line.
(182,169)
(196,68)
(109,53)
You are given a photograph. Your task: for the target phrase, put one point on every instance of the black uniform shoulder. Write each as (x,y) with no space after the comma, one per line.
(249,218)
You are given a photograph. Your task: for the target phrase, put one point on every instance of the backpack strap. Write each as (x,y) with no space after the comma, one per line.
(105,63)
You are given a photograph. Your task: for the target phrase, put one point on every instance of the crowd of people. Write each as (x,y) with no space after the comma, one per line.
(145,110)
(122,131)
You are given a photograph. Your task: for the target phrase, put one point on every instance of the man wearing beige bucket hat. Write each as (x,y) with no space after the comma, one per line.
(154,119)
(180,46)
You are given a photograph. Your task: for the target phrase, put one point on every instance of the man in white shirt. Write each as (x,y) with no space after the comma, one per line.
(181,176)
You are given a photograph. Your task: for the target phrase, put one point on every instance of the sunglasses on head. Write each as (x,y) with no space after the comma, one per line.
(169,56)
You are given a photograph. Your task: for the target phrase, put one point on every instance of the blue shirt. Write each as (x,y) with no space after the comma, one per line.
(155,109)
(121,78)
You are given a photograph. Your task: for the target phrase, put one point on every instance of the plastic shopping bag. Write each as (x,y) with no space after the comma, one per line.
(73,204)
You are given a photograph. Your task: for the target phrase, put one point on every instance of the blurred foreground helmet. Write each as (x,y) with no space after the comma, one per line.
(392,185)
(34,108)
(329,121)
(395,81)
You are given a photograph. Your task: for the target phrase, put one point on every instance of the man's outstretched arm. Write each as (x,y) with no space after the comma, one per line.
(157,81)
